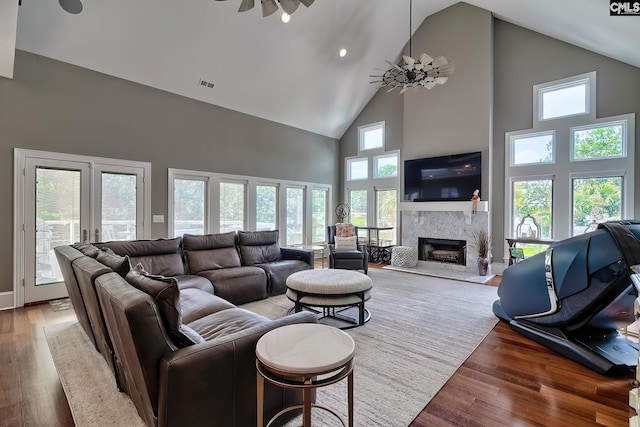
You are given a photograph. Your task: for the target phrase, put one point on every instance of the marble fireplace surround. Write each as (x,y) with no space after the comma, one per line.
(444,220)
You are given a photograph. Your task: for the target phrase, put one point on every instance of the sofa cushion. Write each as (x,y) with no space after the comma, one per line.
(210,252)
(165,292)
(277,273)
(162,256)
(87,249)
(192,281)
(117,263)
(238,285)
(257,247)
(227,322)
(195,304)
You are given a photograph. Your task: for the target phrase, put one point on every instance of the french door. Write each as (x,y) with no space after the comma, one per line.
(62,199)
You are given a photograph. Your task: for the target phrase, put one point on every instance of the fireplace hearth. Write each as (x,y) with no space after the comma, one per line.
(442,250)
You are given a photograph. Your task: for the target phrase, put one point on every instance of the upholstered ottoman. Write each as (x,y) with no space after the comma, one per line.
(404,256)
(331,293)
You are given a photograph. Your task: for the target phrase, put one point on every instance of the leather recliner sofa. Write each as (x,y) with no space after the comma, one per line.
(181,356)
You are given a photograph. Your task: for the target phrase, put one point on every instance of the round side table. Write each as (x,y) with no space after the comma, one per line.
(294,356)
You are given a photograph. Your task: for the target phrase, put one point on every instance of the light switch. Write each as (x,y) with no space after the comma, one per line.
(158,218)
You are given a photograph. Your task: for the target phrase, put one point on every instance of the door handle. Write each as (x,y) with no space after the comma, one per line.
(97,234)
(84,235)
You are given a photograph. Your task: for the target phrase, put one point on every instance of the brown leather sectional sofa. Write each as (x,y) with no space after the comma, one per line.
(168,326)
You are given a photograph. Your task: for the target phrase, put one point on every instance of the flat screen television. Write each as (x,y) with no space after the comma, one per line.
(444,178)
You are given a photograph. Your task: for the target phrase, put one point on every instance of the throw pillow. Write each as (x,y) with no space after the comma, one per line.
(346,243)
(165,292)
(345,229)
(119,264)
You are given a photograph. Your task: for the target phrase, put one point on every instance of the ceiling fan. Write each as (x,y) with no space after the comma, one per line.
(271,6)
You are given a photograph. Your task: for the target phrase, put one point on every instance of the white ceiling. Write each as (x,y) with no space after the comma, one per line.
(288,73)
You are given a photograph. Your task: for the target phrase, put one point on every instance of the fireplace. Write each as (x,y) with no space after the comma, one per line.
(442,250)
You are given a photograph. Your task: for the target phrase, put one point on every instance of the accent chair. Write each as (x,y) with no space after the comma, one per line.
(345,251)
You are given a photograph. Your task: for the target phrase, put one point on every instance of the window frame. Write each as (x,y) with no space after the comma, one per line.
(383,156)
(350,161)
(367,128)
(515,136)
(625,141)
(213,194)
(589,79)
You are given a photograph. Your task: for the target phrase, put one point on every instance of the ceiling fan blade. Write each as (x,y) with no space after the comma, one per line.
(269,7)
(289,6)
(409,61)
(441,80)
(396,66)
(439,61)
(71,6)
(425,59)
(246,5)
(306,2)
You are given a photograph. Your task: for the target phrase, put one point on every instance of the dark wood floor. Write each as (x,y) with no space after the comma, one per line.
(507,381)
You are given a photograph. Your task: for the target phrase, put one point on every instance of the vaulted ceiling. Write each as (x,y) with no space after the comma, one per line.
(288,73)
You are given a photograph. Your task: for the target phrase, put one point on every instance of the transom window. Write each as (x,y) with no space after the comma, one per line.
(599,142)
(564,99)
(532,148)
(385,166)
(357,169)
(371,137)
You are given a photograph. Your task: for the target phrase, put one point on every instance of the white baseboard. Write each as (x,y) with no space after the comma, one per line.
(6,300)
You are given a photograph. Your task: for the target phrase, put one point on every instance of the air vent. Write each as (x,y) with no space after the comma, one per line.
(205,83)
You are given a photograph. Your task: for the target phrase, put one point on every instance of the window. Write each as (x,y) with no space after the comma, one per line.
(266,207)
(598,142)
(295,216)
(595,200)
(232,213)
(319,215)
(357,169)
(531,149)
(189,202)
(358,203)
(564,99)
(371,137)
(385,166)
(533,197)
(207,202)
(386,213)
(574,171)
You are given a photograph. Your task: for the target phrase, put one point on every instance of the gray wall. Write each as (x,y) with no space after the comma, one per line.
(54,106)
(524,58)
(449,119)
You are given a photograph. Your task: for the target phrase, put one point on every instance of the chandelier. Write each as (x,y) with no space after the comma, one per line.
(412,73)
(271,6)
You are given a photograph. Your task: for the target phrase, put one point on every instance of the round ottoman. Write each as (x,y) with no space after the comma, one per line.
(404,256)
(334,292)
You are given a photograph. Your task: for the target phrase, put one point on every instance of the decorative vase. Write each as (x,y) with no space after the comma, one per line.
(483,264)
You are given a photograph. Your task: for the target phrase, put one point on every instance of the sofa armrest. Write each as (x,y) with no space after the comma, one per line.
(298,254)
(215,382)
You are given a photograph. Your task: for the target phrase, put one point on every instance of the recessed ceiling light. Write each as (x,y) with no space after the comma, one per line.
(343,53)
(285,17)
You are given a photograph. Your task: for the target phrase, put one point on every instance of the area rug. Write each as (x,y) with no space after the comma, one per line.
(421,330)
(60,304)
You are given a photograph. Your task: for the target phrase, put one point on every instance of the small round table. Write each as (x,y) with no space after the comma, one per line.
(333,291)
(294,356)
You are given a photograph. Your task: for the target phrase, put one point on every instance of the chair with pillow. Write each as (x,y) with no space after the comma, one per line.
(345,252)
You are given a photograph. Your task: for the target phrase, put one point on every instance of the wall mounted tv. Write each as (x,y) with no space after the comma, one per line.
(444,178)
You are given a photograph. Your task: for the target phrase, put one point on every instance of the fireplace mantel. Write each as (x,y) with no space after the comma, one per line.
(483,206)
